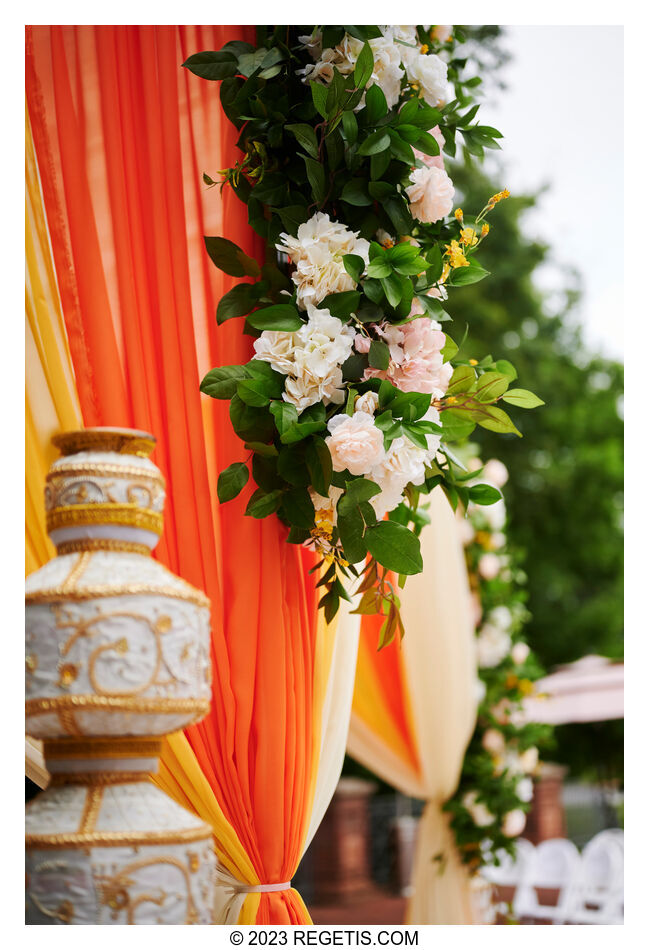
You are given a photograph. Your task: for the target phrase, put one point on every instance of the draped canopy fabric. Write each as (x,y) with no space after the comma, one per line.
(414,711)
(122,135)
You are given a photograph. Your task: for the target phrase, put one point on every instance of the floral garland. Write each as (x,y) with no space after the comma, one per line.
(489,806)
(354,393)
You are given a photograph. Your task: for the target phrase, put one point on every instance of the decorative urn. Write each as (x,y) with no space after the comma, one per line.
(118,655)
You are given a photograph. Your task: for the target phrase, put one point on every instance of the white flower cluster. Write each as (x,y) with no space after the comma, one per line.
(317,255)
(356,444)
(397,56)
(494,641)
(310,358)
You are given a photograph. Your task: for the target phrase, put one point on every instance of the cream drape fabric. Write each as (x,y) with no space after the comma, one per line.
(335,713)
(439,673)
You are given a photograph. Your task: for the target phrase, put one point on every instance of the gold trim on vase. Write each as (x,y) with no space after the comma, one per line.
(90,813)
(102,544)
(103,747)
(103,470)
(115,839)
(163,704)
(105,439)
(56,594)
(98,778)
(128,513)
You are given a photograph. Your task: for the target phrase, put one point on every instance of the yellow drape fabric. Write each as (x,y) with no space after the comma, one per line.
(414,712)
(51,400)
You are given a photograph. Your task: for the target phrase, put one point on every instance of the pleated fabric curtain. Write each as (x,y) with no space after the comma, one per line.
(414,712)
(122,135)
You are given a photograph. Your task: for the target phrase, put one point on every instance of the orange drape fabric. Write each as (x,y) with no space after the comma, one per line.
(122,135)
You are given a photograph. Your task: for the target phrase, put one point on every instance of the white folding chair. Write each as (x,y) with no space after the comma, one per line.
(510,871)
(554,867)
(598,894)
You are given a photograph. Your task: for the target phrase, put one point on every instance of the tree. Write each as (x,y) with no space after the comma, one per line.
(564,494)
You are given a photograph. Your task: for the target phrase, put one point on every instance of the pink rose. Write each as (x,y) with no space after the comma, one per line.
(493,742)
(362,343)
(355,443)
(416,362)
(432,161)
(430,194)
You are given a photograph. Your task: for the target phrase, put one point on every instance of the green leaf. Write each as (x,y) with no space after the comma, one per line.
(375,104)
(379,355)
(212,65)
(261,448)
(392,288)
(364,67)
(496,420)
(231,481)
(221,383)
(318,460)
(356,491)
(456,425)
(350,127)
(285,415)
(231,259)
(491,386)
(379,268)
(467,275)
(262,503)
(461,381)
(523,398)
(351,528)
(306,137)
(400,149)
(355,192)
(417,437)
(236,303)
(427,144)
(484,494)
(292,217)
(316,175)
(297,508)
(341,305)
(399,214)
(379,164)
(409,406)
(506,368)
(395,547)
(254,392)
(280,316)
(354,265)
(376,142)
(319,94)
(251,424)
(449,349)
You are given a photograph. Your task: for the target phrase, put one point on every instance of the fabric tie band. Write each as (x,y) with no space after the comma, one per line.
(265,888)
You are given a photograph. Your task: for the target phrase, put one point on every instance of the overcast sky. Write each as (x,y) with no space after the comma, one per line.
(562,118)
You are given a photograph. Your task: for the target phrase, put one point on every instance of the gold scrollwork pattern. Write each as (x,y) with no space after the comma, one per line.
(115,890)
(150,663)
(102,544)
(62,491)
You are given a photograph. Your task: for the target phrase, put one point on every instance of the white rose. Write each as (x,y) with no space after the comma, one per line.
(317,253)
(525,789)
(355,443)
(306,390)
(430,194)
(430,72)
(368,402)
(495,473)
(520,652)
(514,823)
(493,645)
(322,344)
(478,810)
(489,566)
(276,347)
(501,617)
(529,760)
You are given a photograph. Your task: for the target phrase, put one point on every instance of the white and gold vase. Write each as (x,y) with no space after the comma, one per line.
(117,655)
